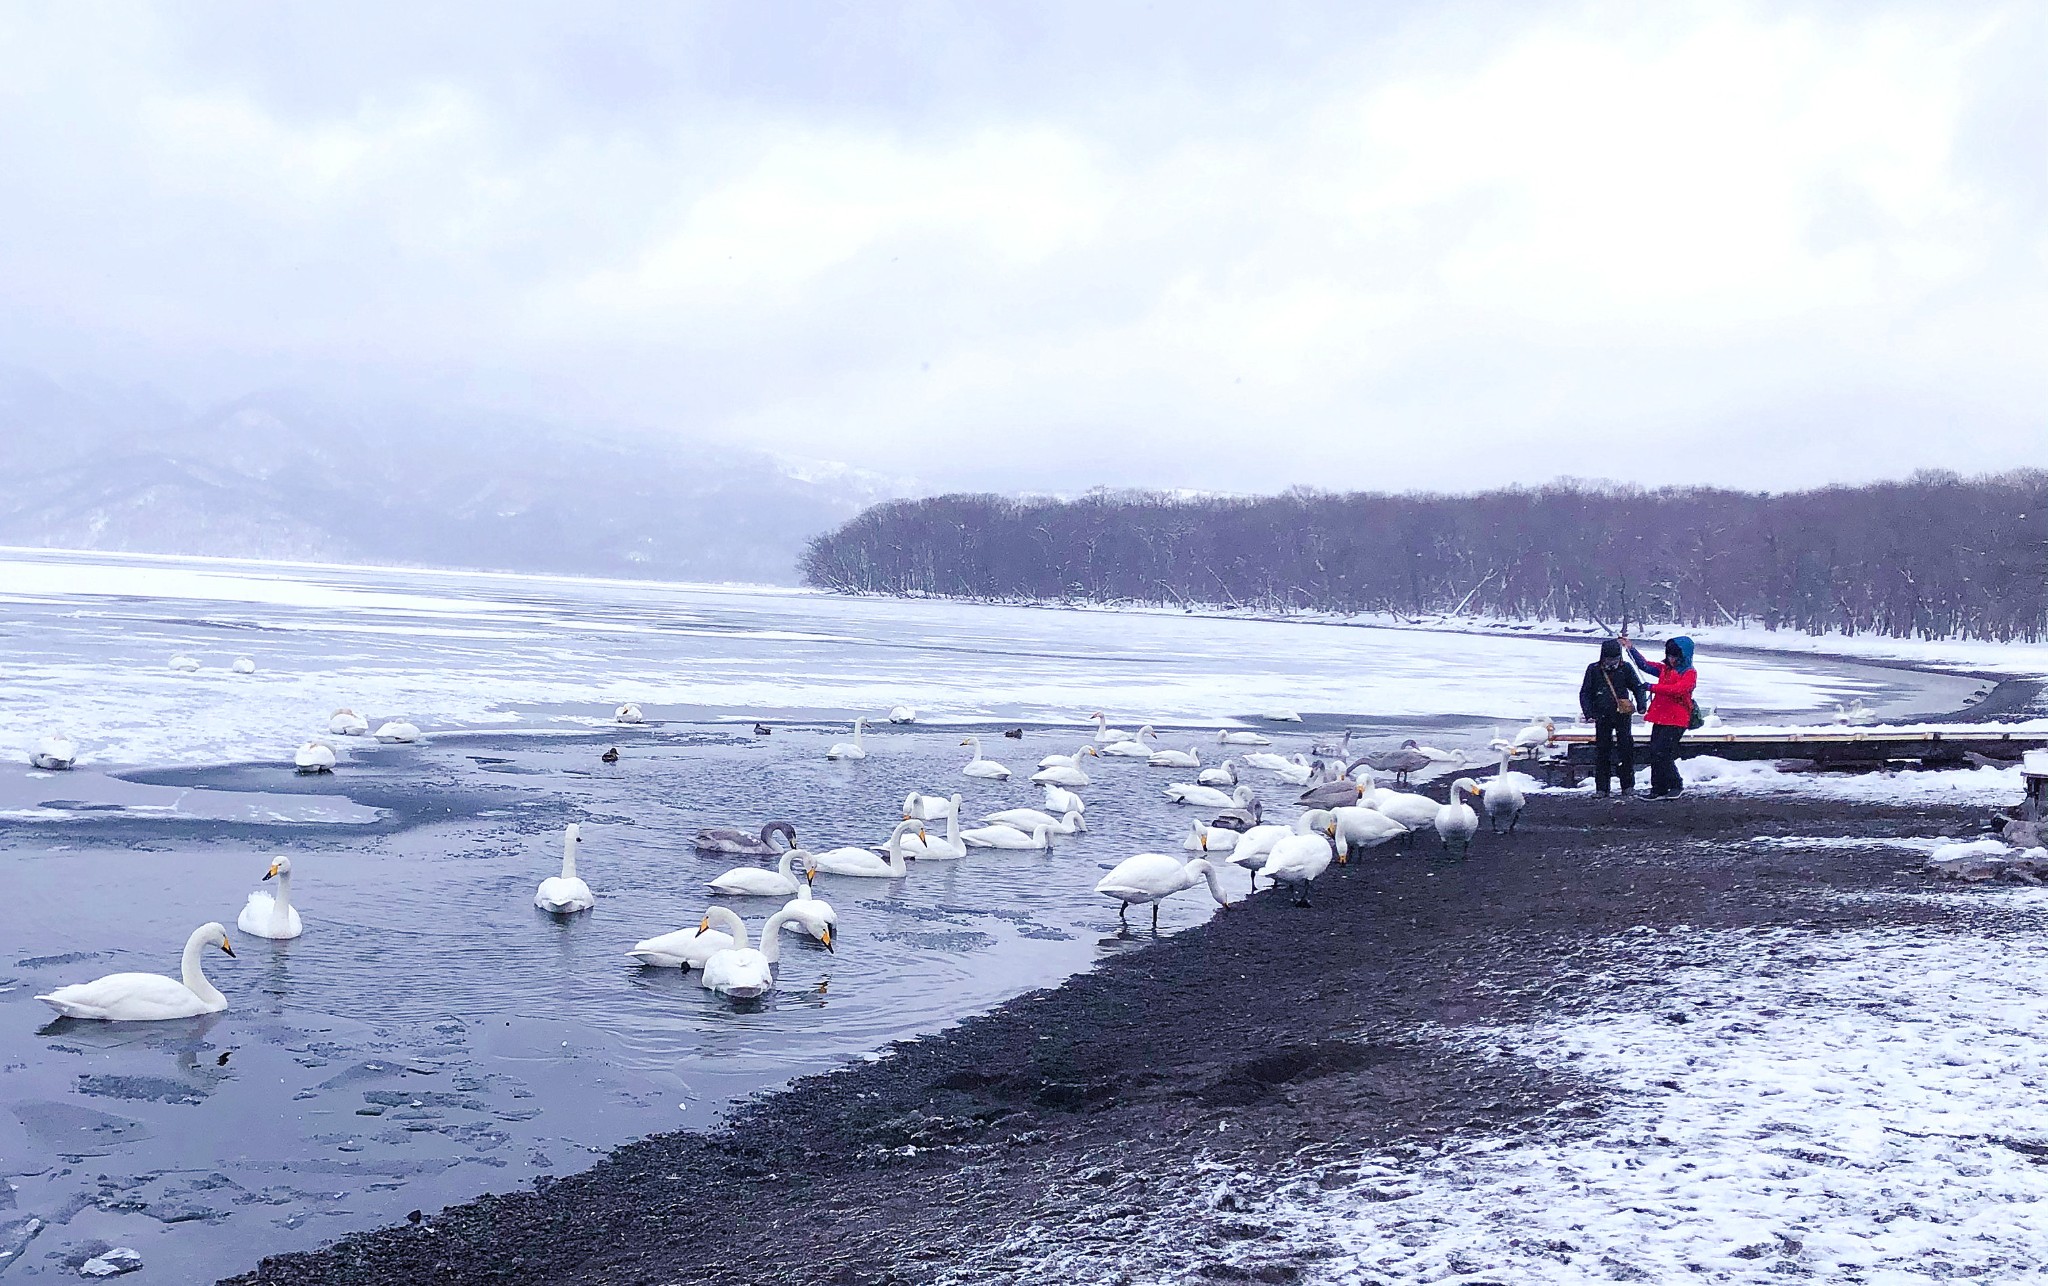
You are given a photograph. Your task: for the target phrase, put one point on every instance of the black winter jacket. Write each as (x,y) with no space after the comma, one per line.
(1597,703)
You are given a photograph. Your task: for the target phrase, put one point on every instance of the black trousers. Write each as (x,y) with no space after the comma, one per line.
(1664,778)
(1614,739)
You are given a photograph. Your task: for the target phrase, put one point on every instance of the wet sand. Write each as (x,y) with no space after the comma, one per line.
(1040,1139)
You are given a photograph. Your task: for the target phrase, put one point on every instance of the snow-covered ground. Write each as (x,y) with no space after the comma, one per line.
(1849,1107)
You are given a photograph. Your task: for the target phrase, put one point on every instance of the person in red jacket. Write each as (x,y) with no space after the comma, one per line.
(1670,712)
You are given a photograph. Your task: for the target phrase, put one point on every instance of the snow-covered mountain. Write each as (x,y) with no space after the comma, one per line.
(288,474)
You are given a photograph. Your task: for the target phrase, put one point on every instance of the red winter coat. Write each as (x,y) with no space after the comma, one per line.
(1670,695)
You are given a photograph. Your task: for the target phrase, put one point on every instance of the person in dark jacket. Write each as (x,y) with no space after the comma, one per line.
(1609,697)
(1670,713)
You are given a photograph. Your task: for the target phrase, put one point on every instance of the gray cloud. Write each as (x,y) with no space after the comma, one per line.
(1223,246)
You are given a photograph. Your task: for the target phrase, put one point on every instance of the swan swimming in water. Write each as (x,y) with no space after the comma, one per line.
(986,769)
(148,997)
(1104,734)
(1061,801)
(1227,737)
(1204,838)
(1029,819)
(849,749)
(1062,776)
(752,881)
(566,894)
(1154,877)
(266,916)
(946,849)
(861,862)
(54,753)
(811,914)
(1182,792)
(680,949)
(1189,758)
(741,971)
(1068,761)
(926,808)
(1000,836)
(1223,774)
(724,839)
(1132,747)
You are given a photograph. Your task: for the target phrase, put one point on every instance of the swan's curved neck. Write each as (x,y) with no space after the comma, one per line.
(284,896)
(771,938)
(192,975)
(896,866)
(1215,887)
(788,860)
(729,920)
(569,857)
(856,730)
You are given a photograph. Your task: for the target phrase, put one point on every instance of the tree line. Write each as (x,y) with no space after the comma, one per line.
(1936,555)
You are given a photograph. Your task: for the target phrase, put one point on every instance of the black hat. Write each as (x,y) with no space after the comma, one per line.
(1610,649)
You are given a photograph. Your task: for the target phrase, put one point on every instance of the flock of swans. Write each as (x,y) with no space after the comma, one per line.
(1345,811)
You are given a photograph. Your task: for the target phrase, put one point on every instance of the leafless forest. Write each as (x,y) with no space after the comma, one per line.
(1937,555)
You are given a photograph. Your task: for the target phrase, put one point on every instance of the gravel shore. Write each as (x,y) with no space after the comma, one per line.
(1070,1124)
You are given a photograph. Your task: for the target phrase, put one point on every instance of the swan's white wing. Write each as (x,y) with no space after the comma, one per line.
(561,895)
(742,974)
(127,997)
(683,948)
(751,881)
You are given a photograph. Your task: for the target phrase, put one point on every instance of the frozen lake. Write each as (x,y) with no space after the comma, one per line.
(432,1036)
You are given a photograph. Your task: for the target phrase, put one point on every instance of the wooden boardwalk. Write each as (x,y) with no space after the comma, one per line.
(1828,746)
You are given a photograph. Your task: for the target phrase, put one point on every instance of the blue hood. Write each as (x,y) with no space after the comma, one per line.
(1684,646)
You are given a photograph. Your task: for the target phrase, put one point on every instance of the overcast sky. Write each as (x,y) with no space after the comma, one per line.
(1040,245)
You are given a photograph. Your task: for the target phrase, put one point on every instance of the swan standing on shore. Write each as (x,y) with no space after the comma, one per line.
(1503,797)
(861,862)
(566,894)
(54,753)
(1297,860)
(275,917)
(1154,877)
(148,997)
(725,839)
(753,882)
(947,849)
(849,749)
(347,723)
(985,769)
(1362,828)
(1456,823)
(314,757)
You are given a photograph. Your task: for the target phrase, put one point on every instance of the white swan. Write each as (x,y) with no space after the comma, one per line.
(1104,734)
(314,757)
(1154,877)
(1132,747)
(565,894)
(926,808)
(859,861)
(398,731)
(266,916)
(1060,800)
(1223,774)
(1297,771)
(1411,810)
(1297,860)
(245,665)
(1226,737)
(741,971)
(930,848)
(849,749)
(1281,716)
(1253,845)
(148,997)
(1067,761)
(1535,736)
(347,723)
(811,914)
(1456,823)
(1362,828)
(1503,797)
(1182,792)
(1189,758)
(630,712)
(681,949)
(986,769)
(54,753)
(1026,819)
(1061,777)
(1267,761)
(757,882)
(184,664)
(1008,837)
(1205,838)
(903,714)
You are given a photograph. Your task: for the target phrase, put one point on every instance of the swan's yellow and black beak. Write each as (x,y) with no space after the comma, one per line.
(826,938)
(966,742)
(225,945)
(271,872)
(811,876)
(704,925)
